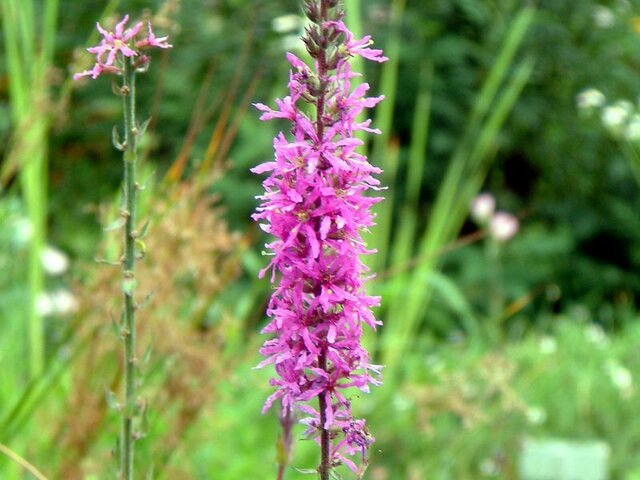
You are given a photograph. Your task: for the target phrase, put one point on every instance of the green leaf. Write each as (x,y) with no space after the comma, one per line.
(146,301)
(455,299)
(144,230)
(142,128)
(117,449)
(119,223)
(112,399)
(144,422)
(335,475)
(115,324)
(147,355)
(141,249)
(307,471)
(115,138)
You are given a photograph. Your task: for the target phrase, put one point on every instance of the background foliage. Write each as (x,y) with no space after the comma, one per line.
(485,344)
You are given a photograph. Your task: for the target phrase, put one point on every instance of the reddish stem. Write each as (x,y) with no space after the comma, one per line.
(325,442)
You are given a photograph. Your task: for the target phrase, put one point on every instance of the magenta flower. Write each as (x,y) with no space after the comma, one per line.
(359,47)
(122,43)
(315,206)
(152,40)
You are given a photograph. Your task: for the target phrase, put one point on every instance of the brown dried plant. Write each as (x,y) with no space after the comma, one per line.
(191,256)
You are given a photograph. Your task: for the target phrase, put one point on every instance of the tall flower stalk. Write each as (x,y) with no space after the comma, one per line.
(315,206)
(121,53)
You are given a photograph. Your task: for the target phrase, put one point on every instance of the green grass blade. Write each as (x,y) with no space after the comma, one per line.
(419,136)
(463,178)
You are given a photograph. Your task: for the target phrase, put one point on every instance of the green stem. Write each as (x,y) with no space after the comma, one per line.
(129,333)
(496,294)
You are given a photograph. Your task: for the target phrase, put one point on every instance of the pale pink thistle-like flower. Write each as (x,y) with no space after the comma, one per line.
(122,43)
(483,208)
(503,226)
(315,206)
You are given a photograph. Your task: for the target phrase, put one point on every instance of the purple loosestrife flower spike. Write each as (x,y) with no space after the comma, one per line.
(315,206)
(123,42)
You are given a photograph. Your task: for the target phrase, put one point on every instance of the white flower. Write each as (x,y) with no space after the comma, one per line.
(482,208)
(22,231)
(548,345)
(590,98)
(632,132)
(54,261)
(603,17)
(291,43)
(287,23)
(536,415)
(596,335)
(620,376)
(58,302)
(503,226)
(615,116)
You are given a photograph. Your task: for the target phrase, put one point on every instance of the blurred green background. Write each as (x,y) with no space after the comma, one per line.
(486,343)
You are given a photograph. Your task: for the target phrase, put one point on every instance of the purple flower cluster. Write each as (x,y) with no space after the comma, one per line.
(122,42)
(315,206)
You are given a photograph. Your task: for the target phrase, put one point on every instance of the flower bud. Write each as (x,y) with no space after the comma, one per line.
(482,208)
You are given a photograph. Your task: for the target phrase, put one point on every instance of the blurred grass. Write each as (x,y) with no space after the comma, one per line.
(407,304)
(29,51)
(452,408)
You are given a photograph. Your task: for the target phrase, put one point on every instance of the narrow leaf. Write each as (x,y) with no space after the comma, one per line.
(147,355)
(142,128)
(119,223)
(112,400)
(115,139)
(335,475)
(144,230)
(144,423)
(307,471)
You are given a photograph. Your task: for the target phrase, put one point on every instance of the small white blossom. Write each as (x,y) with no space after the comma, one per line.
(615,116)
(603,17)
(58,302)
(590,98)
(596,336)
(287,23)
(22,231)
(291,43)
(548,345)
(54,261)
(503,226)
(620,376)
(632,132)
(482,208)
(536,415)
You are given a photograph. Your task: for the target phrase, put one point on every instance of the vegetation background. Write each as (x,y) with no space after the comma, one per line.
(485,344)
